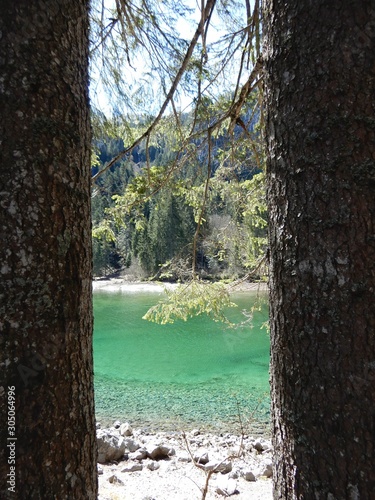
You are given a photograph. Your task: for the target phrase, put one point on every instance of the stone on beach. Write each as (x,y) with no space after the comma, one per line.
(134,467)
(131,445)
(126,429)
(201,457)
(267,470)
(261,445)
(111,447)
(249,475)
(158,451)
(114,480)
(153,465)
(223,466)
(139,454)
(226,486)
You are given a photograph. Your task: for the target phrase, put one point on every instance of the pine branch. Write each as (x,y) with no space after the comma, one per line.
(198,33)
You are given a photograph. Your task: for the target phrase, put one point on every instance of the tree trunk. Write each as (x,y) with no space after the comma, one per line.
(46,366)
(320,88)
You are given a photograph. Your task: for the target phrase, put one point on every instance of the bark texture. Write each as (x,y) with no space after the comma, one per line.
(320,89)
(45,253)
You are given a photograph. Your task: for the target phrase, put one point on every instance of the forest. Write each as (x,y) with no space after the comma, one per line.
(145,219)
(178,191)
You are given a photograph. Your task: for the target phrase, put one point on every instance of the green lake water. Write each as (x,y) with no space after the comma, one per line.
(195,374)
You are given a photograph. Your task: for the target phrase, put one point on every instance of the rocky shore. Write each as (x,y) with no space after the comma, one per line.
(135,464)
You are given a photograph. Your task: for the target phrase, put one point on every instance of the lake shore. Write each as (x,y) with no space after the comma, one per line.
(128,399)
(176,477)
(257,428)
(120,284)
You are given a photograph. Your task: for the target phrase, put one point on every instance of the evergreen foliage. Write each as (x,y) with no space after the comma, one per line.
(146,214)
(192,299)
(183,143)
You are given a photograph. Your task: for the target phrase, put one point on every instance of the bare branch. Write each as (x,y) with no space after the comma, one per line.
(198,33)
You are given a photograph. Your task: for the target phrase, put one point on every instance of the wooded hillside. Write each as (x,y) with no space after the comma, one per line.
(158,217)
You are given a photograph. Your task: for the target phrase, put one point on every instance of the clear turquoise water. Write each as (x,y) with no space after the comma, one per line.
(190,374)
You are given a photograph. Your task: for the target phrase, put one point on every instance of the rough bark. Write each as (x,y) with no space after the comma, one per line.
(45,252)
(320,88)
